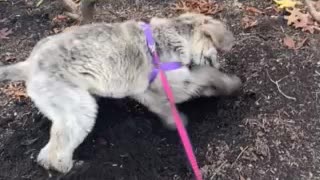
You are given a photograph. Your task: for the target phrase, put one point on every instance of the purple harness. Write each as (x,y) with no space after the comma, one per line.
(165,66)
(159,68)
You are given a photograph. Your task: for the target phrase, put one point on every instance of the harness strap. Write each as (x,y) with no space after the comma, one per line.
(166,66)
(166,87)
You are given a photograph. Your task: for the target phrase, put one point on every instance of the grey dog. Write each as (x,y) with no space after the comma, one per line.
(65,71)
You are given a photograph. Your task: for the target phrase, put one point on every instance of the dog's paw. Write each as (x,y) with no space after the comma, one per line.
(51,160)
(234,85)
(171,124)
(43,159)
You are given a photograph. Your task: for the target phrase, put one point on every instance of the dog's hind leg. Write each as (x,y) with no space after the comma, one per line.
(72,112)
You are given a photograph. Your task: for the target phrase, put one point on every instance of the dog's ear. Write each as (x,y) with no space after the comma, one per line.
(217,31)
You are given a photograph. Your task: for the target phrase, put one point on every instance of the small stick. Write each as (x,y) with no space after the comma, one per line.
(278,86)
(216,171)
(243,150)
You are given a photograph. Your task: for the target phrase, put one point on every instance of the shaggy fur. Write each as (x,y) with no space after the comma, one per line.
(65,71)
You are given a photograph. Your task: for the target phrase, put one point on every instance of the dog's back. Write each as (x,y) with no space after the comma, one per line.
(103,58)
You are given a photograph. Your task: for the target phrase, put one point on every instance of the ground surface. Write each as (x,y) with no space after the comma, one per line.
(259,135)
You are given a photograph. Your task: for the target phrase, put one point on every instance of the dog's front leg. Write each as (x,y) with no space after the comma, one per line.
(212,82)
(158,104)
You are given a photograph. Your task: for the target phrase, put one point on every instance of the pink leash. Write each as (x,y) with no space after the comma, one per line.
(166,87)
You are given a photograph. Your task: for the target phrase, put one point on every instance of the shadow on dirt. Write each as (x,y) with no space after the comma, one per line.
(129,142)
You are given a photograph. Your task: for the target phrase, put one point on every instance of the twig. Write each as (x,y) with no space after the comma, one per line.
(39,3)
(278,86)
(216,171)
(243,150)
(317,73)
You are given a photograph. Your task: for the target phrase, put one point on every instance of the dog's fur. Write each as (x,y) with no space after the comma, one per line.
(65,71)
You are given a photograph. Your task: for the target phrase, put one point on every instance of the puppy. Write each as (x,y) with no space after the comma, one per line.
(65,71)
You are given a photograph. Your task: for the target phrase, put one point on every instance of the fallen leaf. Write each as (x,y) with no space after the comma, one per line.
(310,29)
(283,4)
(289,42)
(292,44)
(253,10)
(248,22)
(301,20)
(295,16)
(15,90)
(4,33)
(206,7)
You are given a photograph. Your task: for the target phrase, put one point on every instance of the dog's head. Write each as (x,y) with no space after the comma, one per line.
(204,34)
(207,35)
(206,28)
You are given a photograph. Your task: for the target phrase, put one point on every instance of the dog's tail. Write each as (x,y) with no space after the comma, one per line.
(14,72)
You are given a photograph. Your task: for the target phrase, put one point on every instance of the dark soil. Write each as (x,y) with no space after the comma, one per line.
(258,135)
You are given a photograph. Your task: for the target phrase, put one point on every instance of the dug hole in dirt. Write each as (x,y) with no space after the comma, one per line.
(260,134)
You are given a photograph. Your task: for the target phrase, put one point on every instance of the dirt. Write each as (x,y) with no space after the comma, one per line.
(260,134)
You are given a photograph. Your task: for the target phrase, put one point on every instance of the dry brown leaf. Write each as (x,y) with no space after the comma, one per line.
(298,19)
(248,22)
(294,44)
(206,7)
(310,29)
(289,42)
(295,16)
(4,33)
(302,22)
(253,10)
(16,90)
